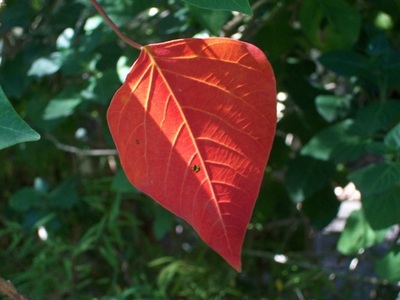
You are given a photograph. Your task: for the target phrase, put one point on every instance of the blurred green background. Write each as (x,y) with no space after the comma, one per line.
(72,227)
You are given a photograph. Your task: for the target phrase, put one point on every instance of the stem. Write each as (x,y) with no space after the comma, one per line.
(114,27)
(7,289)
(79,151)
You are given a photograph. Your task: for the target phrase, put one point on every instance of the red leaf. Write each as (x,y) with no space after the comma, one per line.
(194,124)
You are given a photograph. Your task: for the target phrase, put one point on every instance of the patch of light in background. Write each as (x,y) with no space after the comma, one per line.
(179,229)
(81,134)
(280,258)
(353,264)
(153,11)
(383,21)
(281,96)
(202,34)
(280,106)
(289,139)
(112,163)
(123,68)
(186,247)
(349,198)
(239,34)
(64,40)
(349,192)
(330,86)
(42,233)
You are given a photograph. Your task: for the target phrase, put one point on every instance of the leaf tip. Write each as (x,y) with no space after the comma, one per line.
(234,262)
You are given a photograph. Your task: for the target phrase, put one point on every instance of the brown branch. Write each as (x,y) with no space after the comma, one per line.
(79,151)
(8,290)
(114,27)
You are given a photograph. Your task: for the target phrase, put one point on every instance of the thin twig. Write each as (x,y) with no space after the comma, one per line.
(114,27)
(79,151)
(8,290)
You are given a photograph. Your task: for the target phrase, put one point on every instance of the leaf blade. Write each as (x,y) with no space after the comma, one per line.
(13,129)
(198,140)
(242,6)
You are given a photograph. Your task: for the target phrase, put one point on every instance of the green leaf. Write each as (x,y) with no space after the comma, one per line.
(375,117)
(121,184)
(332,107)
(65,194)
(321,207)
(242,6)
(26,198)
(330,24)
(16,14)
(163,222)
(44,66)
(13,129)
(267,208)
(122,11)
(383,210)
(61,107)
(358,234)
(392,139)
(277,28)
(102,87)
(307,175)
(380,189)
(385,61)
(10,75)
(379,45)
(382,70)
(336,143)
(388,266)
(213,20)
(376,178)
(389,66)
(346,63)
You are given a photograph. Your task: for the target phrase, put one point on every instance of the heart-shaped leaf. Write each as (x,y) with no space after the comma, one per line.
(13,129)
(194,124)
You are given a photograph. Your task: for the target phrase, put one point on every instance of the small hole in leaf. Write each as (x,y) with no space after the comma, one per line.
(196,168)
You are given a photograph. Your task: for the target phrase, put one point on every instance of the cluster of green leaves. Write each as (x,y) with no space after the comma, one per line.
(338,64)
(359,141)
(71,226)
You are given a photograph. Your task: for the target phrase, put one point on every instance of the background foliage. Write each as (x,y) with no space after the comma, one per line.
(71,226)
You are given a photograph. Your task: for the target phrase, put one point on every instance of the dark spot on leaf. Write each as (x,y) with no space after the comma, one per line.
(196,168)
(137,142)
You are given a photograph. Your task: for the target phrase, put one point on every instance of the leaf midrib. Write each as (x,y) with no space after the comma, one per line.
(147,50)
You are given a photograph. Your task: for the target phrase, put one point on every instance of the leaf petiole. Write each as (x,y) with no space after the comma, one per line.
(114,27)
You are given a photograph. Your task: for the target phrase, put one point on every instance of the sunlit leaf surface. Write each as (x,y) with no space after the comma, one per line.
(194,124)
